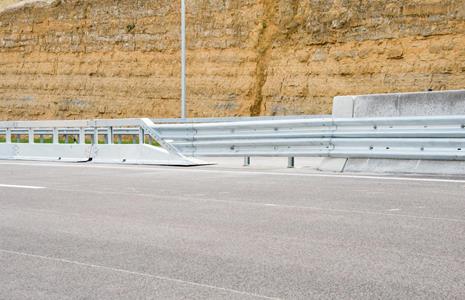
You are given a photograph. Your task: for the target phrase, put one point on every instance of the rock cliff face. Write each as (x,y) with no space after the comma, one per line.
(85,58)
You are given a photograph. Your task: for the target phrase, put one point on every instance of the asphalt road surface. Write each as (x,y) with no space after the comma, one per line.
(86,231)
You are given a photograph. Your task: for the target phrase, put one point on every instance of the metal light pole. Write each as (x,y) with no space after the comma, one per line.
(183,59)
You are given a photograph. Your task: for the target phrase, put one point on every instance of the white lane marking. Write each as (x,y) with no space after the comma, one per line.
(164,278)
(157,169)
(14,186)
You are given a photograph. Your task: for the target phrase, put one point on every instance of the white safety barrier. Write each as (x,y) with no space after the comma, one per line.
(102,141)
(432,138)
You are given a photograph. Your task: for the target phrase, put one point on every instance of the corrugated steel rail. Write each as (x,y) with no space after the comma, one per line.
(403,137)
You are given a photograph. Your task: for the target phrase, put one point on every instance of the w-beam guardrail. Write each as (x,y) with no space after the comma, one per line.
(435,138)
(432,138)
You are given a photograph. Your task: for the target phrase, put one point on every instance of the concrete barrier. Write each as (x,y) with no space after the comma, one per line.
(46,152)
(140,154)
(401,105)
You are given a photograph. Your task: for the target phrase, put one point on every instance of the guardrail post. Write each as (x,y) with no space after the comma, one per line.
(41,138)
(8,136)
(291,162)
(30,136)
(246,161)
(110,135)
(95,137)
(134,139)
(56,136)
(18,138)
(141,136)
(120,139)
(82,136)
(66,139)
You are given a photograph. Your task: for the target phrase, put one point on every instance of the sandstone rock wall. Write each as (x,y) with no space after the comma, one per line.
(102,58)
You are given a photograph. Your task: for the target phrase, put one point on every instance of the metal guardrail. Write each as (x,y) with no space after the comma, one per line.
(434,138)
(404,137)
